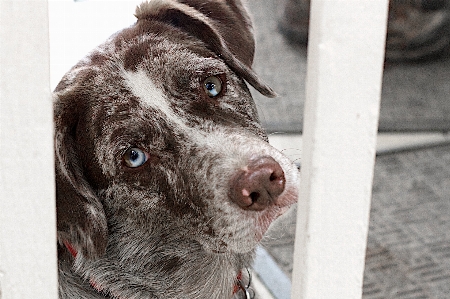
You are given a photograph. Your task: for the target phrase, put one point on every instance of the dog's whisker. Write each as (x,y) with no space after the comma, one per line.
(291,149)
(277,133)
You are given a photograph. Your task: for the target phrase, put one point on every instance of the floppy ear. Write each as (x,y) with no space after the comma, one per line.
(81,220)
(223,26)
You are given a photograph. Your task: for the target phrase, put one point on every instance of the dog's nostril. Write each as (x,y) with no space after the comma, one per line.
(273,177)
(277,176)
(254,197)
(259,185)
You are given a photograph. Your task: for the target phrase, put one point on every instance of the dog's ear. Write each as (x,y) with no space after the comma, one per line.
(81,220)
(224,27)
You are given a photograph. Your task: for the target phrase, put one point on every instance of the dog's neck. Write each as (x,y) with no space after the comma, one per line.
(241,289)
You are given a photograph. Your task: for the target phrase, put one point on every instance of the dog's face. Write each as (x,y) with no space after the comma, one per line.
(159,149)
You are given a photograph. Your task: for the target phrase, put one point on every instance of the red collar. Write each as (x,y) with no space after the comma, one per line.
(238,286)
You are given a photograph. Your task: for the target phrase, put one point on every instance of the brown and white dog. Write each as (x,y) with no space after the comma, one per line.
(165,180)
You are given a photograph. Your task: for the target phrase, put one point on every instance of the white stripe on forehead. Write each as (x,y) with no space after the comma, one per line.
(145,89)
(151,96)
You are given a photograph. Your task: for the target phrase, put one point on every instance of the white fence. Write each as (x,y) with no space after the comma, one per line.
(27,205)
(345,61)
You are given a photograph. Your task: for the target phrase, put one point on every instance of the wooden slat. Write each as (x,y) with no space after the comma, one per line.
(28,267)
(345,62)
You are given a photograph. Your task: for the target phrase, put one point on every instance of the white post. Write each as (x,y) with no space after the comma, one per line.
(345,63)
(28,267)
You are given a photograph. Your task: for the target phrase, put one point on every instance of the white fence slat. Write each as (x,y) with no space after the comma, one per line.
(28,266)
(345,63)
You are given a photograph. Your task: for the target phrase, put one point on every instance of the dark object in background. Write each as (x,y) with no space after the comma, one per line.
(417,29)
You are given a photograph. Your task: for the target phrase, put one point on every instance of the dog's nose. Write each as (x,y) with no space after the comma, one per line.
(258,185)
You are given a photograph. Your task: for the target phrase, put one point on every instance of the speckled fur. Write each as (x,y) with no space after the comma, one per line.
(167,229)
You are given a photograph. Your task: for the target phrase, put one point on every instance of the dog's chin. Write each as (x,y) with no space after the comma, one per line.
(266,219)
(231,247)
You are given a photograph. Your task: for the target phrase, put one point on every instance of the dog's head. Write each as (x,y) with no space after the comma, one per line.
(158,141)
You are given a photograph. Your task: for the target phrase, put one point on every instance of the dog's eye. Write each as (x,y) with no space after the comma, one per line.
(135,157)
(212,86)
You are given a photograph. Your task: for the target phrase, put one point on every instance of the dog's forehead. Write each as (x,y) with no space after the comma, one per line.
(148,67)
(169,64)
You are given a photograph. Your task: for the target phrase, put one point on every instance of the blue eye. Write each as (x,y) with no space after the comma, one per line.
(135,157)
(212,86)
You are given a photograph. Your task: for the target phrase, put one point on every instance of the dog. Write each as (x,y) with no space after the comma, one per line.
(165,181)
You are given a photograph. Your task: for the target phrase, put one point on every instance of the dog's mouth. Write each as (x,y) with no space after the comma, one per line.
(265,220)
(246,228)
